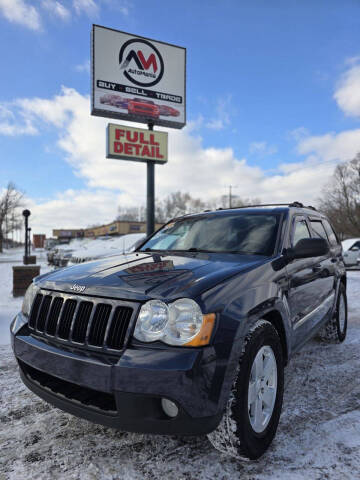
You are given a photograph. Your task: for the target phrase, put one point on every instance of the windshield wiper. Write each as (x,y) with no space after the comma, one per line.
(201,250)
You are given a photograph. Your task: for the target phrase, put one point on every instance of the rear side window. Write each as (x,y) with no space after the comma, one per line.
(331,234)
(300,231)
(355,247)
(318,229)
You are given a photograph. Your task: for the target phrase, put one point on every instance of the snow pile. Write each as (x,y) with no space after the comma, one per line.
(106,247)
(318,436)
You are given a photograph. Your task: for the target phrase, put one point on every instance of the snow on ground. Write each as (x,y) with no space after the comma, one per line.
(9,306)
(318,436)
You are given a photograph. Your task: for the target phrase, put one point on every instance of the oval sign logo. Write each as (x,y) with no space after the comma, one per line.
(141,63)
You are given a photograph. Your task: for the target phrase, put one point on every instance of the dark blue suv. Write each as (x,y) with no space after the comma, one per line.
(190,333)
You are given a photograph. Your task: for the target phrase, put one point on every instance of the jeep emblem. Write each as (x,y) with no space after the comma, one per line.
(77,288)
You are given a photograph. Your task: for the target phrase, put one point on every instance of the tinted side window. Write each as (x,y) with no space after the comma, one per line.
(331,234)
(318,229)
(300,231)
(356,245)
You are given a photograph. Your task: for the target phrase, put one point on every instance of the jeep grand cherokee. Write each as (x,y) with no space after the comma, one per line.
(190,333)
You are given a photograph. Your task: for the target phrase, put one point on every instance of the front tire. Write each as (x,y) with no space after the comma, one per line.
(253,410)
(334,331)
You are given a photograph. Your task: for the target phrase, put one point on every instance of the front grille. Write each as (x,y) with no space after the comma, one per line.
(74,320)
(86,396)
(66,319)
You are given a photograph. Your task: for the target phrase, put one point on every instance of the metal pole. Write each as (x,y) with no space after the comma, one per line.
(150,197)
(229,196)
(29,239)
(26,236)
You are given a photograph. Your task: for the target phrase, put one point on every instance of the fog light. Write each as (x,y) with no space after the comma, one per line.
(169,407)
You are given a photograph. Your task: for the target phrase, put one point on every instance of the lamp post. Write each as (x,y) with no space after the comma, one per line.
(26,214)
(29,241)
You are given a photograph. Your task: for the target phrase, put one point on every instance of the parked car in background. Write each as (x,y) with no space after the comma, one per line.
(145,108)
(168,111)
(50,255)
(351,251)
(103,247)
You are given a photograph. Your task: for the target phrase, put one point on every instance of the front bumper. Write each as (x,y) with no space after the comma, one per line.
(125,392)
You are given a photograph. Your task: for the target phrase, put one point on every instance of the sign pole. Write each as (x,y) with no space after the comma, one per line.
(150,197)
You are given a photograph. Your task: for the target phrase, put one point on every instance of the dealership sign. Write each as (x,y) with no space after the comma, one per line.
(137,79)
(136,144)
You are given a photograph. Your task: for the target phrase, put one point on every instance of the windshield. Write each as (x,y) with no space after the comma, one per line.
(245,233)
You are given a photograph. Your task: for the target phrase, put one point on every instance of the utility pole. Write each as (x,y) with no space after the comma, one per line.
(230,194)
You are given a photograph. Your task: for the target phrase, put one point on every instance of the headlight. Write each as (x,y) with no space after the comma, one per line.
(29,298)
(180,323)
(152,321)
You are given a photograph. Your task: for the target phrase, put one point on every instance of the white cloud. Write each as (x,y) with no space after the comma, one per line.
(73,209)
(193,168)
(222,118)
(298,134)
(9,127)
(332,147)
(347,94)
(85,6)
(57,9)
(20,12)
(122,6)
(262,148)
(83,67)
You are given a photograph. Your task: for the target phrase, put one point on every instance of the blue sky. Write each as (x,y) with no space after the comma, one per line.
(261,80)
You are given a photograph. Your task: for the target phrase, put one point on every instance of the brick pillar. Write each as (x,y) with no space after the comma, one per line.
(30,260)
(22,277)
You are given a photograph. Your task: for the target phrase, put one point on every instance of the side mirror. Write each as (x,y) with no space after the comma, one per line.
(308,247)
(354,249)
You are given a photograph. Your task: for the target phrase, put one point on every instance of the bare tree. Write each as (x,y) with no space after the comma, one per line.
(10,201)
(341,198)
(177,204)
(131,214)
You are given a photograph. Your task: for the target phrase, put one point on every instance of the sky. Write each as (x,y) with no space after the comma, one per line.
(273,102)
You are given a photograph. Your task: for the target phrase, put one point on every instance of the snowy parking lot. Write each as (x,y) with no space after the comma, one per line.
(318,436)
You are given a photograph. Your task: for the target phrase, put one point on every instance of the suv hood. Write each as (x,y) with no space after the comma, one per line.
(140,276)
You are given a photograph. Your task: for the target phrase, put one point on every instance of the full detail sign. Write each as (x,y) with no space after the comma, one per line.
(136,144)
(137,79)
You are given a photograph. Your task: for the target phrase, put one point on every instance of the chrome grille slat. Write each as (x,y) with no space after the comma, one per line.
(43,313)
(118,327)
(74,319)
(35,310)
(89,326)
(66,319)
(87,322)
(97,332)
(81,322)
(54,315)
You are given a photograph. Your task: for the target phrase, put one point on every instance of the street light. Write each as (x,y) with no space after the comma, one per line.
(26,214)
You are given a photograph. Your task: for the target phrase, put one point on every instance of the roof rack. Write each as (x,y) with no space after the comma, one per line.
(292,204)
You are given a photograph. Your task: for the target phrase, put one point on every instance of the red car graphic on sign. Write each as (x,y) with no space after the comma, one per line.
(114,100)
(143,108)
(168,111)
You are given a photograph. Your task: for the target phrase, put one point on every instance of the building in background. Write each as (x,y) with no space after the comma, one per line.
(39,240)
(65,235)
(119,227)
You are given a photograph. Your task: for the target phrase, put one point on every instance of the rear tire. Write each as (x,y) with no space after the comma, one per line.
(334,331)
(253,410)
